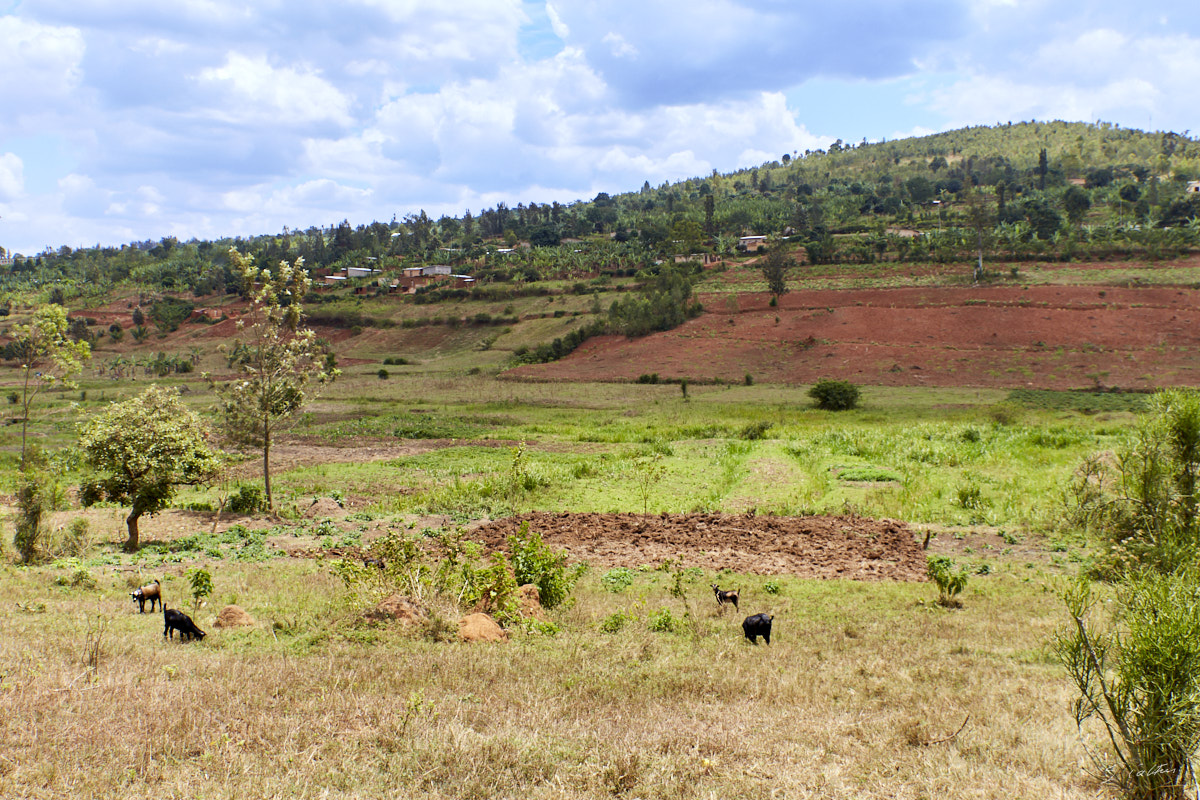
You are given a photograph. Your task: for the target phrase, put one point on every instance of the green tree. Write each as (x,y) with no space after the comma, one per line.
(920,189)
(49,357)
(142,449)
(982,222)
(774,268)
(278,360)
(1076,202)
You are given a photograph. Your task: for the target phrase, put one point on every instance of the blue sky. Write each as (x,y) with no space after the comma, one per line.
(137,119)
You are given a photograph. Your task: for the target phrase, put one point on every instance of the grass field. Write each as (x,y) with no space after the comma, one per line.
(859,695)
(868,690)
(852,699)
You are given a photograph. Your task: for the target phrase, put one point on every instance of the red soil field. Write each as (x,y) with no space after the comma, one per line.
(856,548)
(1046,337)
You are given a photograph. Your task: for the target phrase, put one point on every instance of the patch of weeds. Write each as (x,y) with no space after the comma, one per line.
(756,430)
(971,497)
(868,474)
(663,621)
(771,587)
(617,580)
(77,576)
(616,621)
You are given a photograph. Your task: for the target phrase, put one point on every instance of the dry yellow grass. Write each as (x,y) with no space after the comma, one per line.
(846,702)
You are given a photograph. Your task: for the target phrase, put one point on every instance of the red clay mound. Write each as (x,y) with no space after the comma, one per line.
(809,547)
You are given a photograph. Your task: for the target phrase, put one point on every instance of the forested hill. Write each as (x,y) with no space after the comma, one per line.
(1028,190)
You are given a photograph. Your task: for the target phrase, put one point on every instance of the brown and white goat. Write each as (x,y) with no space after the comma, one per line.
(151,592)
(730,596)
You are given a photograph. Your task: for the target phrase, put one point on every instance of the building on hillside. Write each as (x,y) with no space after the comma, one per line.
(1193,187)
(751,242)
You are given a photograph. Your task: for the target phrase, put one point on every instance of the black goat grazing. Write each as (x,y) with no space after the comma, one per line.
(730,596)
(151,592)
(758,625)
(178,621)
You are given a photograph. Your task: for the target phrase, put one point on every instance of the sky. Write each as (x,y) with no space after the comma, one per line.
(128,120)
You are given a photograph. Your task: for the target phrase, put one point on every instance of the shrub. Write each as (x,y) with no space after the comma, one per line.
(833,395)
(248,499)
(615,621)
(1151,513)
(76,539)
(1140,680)
(771,587)
(493,588)
(534,562)
(29,529)
(950,582)
(664,621)
(383,374)
(756,430)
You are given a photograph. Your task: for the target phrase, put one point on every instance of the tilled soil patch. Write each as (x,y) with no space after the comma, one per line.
(857,548)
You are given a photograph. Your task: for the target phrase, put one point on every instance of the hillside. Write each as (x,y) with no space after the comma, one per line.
(925,261)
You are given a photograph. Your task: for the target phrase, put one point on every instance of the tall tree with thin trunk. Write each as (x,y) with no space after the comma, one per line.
(49,357)
(982,222)
(279,362)
(775,265)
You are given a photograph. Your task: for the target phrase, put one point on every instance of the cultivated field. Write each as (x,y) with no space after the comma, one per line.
(639,685)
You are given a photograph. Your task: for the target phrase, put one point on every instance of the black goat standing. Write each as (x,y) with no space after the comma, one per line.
(757,625)
(178,621)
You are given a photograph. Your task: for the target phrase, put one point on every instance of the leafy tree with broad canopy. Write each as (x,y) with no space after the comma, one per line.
(49,357)
(278,360)
(142,449)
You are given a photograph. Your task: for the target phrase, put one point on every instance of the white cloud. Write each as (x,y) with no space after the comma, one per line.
(41,64)
(12,177)
(619,46)
(556,23)
(281,96)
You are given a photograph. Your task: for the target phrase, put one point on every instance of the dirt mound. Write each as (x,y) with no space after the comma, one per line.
(398,608)
(851,547)
(529,600)
(233,617)
(480,628)
(324,507)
